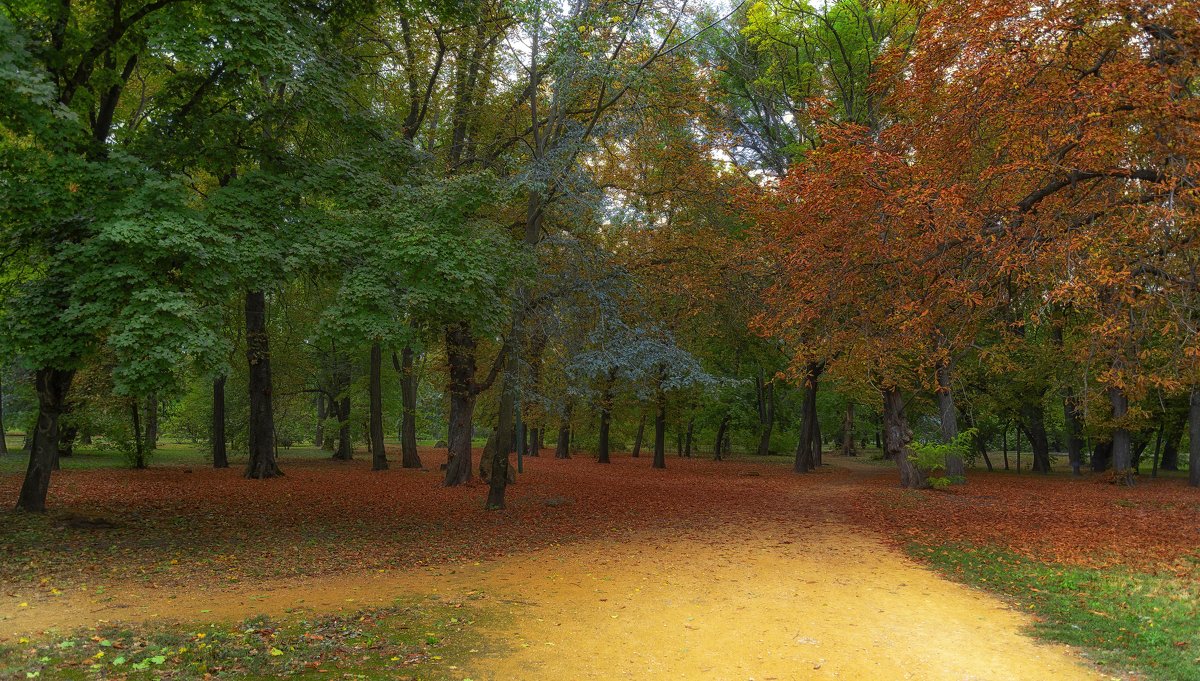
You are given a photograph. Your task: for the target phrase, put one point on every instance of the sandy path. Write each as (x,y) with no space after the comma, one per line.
(813,600)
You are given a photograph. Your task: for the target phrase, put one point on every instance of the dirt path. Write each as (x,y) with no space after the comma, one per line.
(810,600)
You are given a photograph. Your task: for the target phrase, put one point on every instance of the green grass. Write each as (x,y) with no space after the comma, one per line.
(1125,620)
(426,639)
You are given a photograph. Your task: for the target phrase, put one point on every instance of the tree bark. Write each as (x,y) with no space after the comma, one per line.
(562,448)
(605,418)
(3,430)
(51,387)
(721,430)
(66,440)
(1034,423)
(139,454)
(319,436)
(409,457)
(1122,455)
(848,448)
(460,354)
(341,370)
(152,422)
(896,436)
(219,452)
(660,433)
(379,460)
(1194,439)
(766,414)
(261,428)
(1074,432)
(956,470)
(687,440)
(637,439)
(805,456)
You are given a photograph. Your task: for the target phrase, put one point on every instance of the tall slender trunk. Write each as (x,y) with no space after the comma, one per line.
(345,448)
(848,448)
(329,443)
(51,387)
(139,454)
(379,460)
(637,439)
(687,440)
(1194,438)
(152,422)
(956,470)
(660,433)
(3,430)
(460,355)
(1004,445)
(1122,454)
(817,443)
(722,428)
(1074,432)
(896,436)
(261,428)
(806,459)
(409,458)
(606,398)
(219,452)
(766,415)
(562,448)
(319,436)
(1157,450)
(508,414)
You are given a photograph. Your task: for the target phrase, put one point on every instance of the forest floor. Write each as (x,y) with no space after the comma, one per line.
(708,570)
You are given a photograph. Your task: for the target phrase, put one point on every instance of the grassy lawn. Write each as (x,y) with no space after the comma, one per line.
(426,639)
(1126,620)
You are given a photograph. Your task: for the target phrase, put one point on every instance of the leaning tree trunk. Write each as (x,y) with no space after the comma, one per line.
(848,431)
(896,436)
(722,427)
(219,452)
(637,439)
(409,458)
(956,470)
(1122,452)
(379,460)
(1194,438)
(660,433)
(51,386)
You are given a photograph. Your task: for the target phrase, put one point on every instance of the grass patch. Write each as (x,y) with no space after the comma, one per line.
(1126,620)
(427,639)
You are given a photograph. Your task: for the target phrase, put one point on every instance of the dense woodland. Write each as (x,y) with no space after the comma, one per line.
(942,229)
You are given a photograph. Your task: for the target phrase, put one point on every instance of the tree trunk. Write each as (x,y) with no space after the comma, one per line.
(1194,439)
(139,454)
(219,453)
(1004,445)
(1035,429)
(660,433)
(66,440)
(687,440)
(817,443)
(330,438)
(1122,455)
(637,439)
(956,470)
(766,415)
(152,422)
(51,386)
(848,448)
(460,356)
(319,436)
(3,430)
(562,448)
(805,456)
(1157,450)
(261,427)
(508,413)
(896,436)
(409,458)
(605,420)
(379,460)
(1074,430)
(1101,456)
(721,430)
